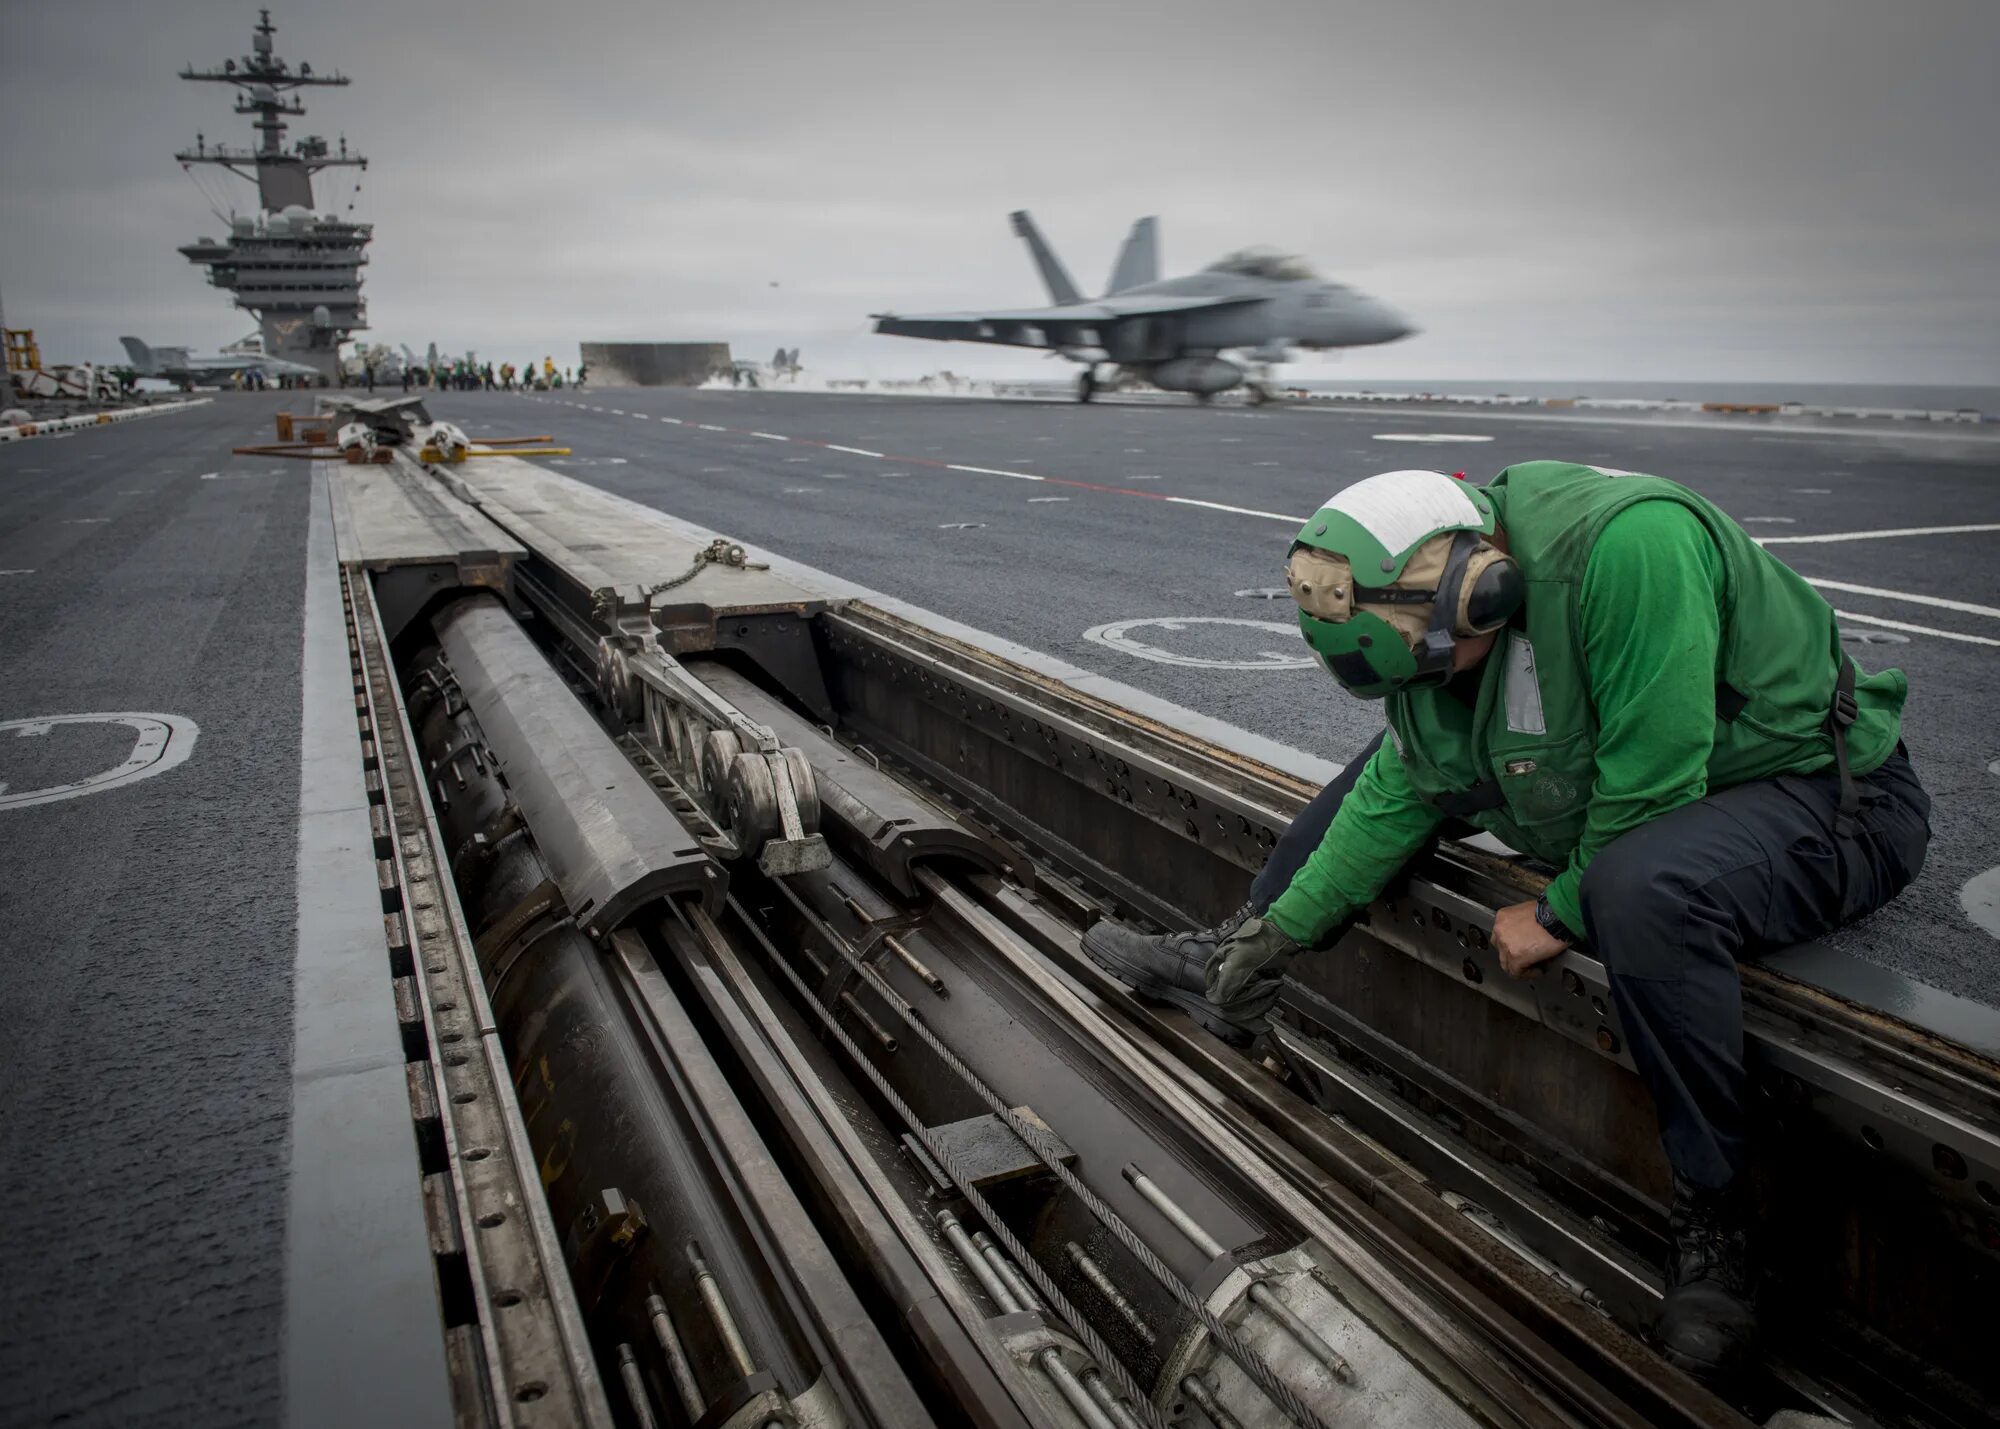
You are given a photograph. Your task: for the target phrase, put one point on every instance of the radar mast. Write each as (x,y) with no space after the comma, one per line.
(298,270)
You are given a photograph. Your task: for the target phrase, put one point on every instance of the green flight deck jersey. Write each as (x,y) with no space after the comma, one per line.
(1660,653)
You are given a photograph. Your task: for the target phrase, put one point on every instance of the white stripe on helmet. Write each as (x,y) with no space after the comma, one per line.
(1401,508)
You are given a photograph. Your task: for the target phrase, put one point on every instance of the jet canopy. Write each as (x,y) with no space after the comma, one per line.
(1265,263)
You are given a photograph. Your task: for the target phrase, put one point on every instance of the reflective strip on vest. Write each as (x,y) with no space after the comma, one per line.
(1523,688)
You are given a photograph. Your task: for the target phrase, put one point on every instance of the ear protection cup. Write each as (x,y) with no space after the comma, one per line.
(1490,593)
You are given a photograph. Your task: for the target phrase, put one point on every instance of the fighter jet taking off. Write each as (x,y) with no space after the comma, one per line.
(1256,303)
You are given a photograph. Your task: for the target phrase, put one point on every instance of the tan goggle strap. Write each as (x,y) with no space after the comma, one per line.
(1322,585)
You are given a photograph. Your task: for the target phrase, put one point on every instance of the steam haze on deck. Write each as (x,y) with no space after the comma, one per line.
(1801,190)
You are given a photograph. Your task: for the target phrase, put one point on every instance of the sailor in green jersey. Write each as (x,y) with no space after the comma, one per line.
(1601,669)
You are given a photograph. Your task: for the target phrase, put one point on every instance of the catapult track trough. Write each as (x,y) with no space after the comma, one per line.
(764,1082)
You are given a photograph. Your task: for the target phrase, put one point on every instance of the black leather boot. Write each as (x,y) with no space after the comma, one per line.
(1708,1324)
(1169,967)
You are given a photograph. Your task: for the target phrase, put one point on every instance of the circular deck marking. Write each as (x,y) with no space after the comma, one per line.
(1439,438)
(1980,898)
(161,741)
(1115,636)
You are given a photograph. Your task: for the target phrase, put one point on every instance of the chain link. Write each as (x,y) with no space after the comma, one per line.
(604,601)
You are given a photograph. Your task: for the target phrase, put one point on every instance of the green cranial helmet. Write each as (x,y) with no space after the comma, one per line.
(1381,599)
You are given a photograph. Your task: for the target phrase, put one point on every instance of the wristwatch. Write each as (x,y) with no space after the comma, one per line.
(1550,924)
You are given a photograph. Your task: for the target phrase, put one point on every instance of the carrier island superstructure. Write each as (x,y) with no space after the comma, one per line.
(297,269)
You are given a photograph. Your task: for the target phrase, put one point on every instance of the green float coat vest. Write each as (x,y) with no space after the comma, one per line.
(1526,750)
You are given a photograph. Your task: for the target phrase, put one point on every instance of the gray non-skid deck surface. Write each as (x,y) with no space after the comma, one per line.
(1042,571)
(146,967)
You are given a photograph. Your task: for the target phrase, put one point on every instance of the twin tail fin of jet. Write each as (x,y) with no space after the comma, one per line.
(1138,260)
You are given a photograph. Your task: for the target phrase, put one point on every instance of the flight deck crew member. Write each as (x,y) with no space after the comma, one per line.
(1603,670)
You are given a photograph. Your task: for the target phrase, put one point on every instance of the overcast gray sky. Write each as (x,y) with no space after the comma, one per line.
(1799,190)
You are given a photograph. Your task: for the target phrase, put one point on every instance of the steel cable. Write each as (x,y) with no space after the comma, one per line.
(1259,1373)
(936,1149)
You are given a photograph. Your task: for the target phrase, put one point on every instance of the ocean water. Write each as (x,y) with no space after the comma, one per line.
(1835,394)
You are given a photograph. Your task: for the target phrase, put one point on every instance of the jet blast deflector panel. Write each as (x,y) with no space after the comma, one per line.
(655,364)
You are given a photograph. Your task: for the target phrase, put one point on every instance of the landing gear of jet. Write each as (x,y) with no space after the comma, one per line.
(1086,385)
(1263,392)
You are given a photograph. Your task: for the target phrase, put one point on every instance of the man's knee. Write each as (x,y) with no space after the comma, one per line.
(1649,909)
(1627,880)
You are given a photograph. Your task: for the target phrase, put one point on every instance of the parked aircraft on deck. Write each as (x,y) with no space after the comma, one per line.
(178,364)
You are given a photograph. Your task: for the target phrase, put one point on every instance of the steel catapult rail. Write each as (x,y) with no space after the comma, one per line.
(735,921)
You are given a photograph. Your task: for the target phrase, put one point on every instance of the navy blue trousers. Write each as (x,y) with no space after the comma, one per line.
(1671,908)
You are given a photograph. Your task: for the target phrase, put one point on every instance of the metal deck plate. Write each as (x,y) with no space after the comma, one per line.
(397,515)
(600,540)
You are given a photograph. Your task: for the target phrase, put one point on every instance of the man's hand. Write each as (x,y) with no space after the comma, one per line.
(1522,943)
(1246,973)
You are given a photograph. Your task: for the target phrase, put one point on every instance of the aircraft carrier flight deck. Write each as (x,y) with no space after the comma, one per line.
(710,915)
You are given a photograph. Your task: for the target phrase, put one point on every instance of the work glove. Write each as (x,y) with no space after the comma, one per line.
(1248,970)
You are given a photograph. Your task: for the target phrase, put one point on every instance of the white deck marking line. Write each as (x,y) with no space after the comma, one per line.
(1915,629)
(1236,510)
(852,451)
(1599,419)
(707,428)
(991,471)
(25,571)
(1875,535)
(770,436)
(1965,606)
